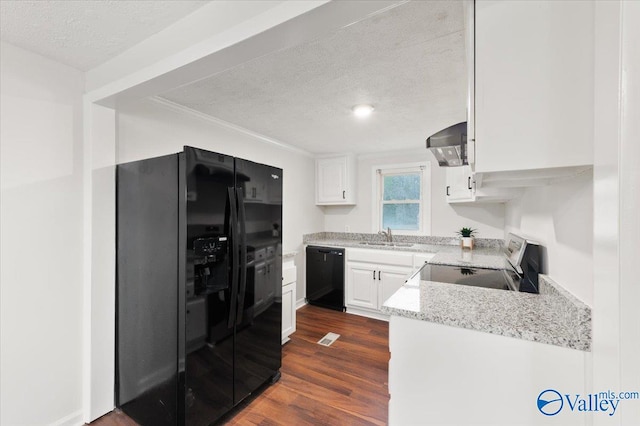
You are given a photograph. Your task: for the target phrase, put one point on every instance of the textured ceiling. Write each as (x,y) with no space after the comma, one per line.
(408,62)
(86,33)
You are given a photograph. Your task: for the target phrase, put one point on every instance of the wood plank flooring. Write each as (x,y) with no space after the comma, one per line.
(344,384)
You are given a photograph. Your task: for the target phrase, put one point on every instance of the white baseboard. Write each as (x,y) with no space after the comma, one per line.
(369,314)
(300,303)
(73,419)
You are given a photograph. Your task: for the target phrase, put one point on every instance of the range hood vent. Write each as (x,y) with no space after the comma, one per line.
(449,146)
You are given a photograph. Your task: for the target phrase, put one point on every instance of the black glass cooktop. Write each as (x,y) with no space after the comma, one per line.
(500,279)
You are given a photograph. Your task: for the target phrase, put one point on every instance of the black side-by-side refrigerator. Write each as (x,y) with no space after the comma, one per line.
(198,294)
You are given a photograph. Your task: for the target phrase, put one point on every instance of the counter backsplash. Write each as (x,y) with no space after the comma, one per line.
(575,315)
(417,239)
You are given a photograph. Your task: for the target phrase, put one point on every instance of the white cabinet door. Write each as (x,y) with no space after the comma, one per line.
(461,188)
(288,310)
(362,286)
(335,180)
(533,85)
(460,184)
(288,299)
(391,279)
(369,285)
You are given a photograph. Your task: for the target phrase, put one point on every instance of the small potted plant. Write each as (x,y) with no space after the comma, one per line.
(466,237)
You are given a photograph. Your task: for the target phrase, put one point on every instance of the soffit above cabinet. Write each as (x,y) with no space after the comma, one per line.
(408,62)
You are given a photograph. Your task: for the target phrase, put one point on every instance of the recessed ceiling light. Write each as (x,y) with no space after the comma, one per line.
(362,110)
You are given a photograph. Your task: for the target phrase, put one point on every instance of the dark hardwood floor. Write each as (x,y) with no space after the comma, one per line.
(344,384)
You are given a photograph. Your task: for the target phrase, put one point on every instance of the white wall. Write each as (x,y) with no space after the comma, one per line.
(147,129)
(100,263)
(446,218)
(560,217)
(616,334)
(41,252)
(629,209)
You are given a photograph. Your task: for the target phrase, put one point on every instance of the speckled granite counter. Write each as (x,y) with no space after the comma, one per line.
(554,316)
(289,255)
(477,258)
(484,246)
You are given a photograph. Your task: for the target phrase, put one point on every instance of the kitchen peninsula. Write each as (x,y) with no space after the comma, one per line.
(462,340)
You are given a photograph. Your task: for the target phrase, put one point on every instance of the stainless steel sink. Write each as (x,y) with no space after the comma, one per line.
(385,244)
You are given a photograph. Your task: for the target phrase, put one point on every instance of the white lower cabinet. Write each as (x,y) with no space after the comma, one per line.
(362,290)
(370,285)
(372,277)
(391,279)
(288,300)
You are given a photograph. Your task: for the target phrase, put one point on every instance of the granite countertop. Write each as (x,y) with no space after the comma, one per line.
(489,247)
(289,255)
(554,316)
(477,258)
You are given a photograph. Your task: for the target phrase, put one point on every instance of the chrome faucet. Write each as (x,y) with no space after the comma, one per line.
(387,235)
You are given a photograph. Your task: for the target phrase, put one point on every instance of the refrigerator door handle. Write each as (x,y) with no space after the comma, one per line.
(243,253)
(233,225)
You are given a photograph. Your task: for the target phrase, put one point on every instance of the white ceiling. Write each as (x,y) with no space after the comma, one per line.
(86,33)
(408,62)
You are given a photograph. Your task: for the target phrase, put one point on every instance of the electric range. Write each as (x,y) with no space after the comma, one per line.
(520,271)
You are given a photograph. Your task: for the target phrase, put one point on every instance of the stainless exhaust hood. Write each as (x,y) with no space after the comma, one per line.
(449,146)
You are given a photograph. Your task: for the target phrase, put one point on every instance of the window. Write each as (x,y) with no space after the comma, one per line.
(402,204)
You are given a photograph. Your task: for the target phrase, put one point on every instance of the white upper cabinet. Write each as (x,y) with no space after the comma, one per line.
(335,180)
(460,184)
(462,188)
(533,82)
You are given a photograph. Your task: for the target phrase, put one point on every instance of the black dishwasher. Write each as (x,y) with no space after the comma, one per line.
(325,277)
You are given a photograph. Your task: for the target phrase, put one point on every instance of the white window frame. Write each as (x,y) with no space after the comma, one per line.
(425,196)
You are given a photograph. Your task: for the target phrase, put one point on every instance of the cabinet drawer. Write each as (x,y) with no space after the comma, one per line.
(260,254)
(380,257)
(288,275)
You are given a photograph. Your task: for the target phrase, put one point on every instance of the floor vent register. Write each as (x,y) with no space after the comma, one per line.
(328,339)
